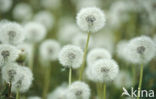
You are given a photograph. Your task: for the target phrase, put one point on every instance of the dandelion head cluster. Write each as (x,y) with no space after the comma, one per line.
(35,32)
(141,50)
(91,19)
(24,81)
(12,33)
(104,70)
(45,18)
(8,53)
(71,56)
(80,90)
(49,50)
(97,54)
(22,12)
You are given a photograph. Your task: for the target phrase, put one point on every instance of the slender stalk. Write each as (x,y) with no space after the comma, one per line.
(140,81)
(98,88)
(46,82)
(84,57)
(70,76)
(104,90)
(31,59)
(17,94)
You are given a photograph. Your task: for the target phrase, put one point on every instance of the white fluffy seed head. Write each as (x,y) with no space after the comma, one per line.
(11,72)
(22,12)
(121,50)
(71,56)
(141,50)
(34,97)
(45,18)
(97,54)
(91,19)
(5,5)
(66,32)
(25,80)
(123,79)
(59,93)
(12,33)
(105,70)
(35,32)
(49,50)
(80,40)
(79,90)
(8,53)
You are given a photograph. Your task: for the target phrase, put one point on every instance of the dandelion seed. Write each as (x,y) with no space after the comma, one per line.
(12,33)
(22,12)
(71,56)
(79,90)
(97,54)
(49,50)
(90,19)
(8,53)
(35,32)
(141,50)
(105,70)
(45,18)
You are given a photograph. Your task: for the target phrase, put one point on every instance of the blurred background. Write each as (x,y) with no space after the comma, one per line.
(126,19)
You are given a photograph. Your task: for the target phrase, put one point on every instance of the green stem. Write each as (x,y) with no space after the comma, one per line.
(17,94)
(9,91)
(31,59)
(46,82)
(104,91)
(70,76)
(140,81)
(84,57)
(98,90)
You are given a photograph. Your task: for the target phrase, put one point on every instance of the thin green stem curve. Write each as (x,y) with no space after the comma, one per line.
(84,57)
(140,81)
(104,90)
(70,76)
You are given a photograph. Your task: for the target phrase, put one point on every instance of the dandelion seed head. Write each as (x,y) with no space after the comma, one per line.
(105,70)
(90,19)
(71,56)
(12,33)
(123,79)
(35,32)
(22,12)
(80,90)
(49,50)
(25,80)
(45,18)
(5,5)
(141,50)
(67,32)
(10,72)
(8,53)
(97,54)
